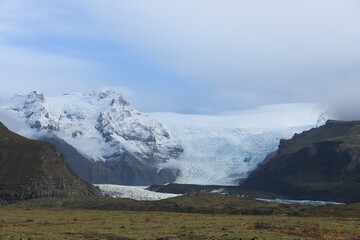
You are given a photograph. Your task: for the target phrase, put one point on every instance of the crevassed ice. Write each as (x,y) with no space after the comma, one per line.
(222,155)
(137,193)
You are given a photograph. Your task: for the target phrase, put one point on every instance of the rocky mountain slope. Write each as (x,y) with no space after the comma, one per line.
(127,170)
(127,146)
(320,164)
(35,169)
(88,170)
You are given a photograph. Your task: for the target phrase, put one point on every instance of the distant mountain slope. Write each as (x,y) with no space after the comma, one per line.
(34,169)
(88,170)
(127,170)
(103,127)
(320,164)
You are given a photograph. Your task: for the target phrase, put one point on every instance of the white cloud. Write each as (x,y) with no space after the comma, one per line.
(249,52)
(270,117)
(268,51)
(344,103)
(15,124)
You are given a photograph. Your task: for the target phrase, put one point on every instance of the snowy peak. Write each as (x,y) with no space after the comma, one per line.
(117,99)
(104,119)
(38,115)
(36,97)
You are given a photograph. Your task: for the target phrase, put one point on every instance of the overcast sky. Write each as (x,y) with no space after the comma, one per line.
(186,56)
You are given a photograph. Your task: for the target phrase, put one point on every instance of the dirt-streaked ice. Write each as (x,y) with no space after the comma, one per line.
(137,193)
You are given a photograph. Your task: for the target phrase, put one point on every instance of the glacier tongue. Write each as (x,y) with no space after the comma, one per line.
(222,156)
(137,193)
(100,125)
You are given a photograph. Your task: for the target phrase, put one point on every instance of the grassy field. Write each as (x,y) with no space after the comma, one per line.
(46,219)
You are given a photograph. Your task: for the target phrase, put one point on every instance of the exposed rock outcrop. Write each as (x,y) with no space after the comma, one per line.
(320,164)
(35,169)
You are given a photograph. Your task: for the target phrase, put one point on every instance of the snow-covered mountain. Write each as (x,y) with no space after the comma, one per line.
(100,125)
(135,149)
(105,128)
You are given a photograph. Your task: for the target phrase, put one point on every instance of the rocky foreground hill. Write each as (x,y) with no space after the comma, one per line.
(35,169)
(320,164)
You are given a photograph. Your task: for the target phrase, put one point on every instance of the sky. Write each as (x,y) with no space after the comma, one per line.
(186,56)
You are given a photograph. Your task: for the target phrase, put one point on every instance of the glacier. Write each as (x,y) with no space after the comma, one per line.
(219,150)
(222,156)
(223,149)
(137,193)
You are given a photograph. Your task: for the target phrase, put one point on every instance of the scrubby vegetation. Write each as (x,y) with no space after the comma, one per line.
(230,218)
(19,223)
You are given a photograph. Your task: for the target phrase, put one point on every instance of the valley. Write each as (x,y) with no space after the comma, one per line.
(106,141)
(179,120)
(35,210)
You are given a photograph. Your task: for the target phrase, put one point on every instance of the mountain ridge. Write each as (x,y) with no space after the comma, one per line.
(319,164)
(101,126)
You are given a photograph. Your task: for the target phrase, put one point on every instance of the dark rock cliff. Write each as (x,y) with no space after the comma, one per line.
(320,164)
(34,169)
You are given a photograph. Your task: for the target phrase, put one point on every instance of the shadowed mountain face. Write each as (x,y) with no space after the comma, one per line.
(131,171)
(88,170)
(127,170)
(34,169)
(320,164)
